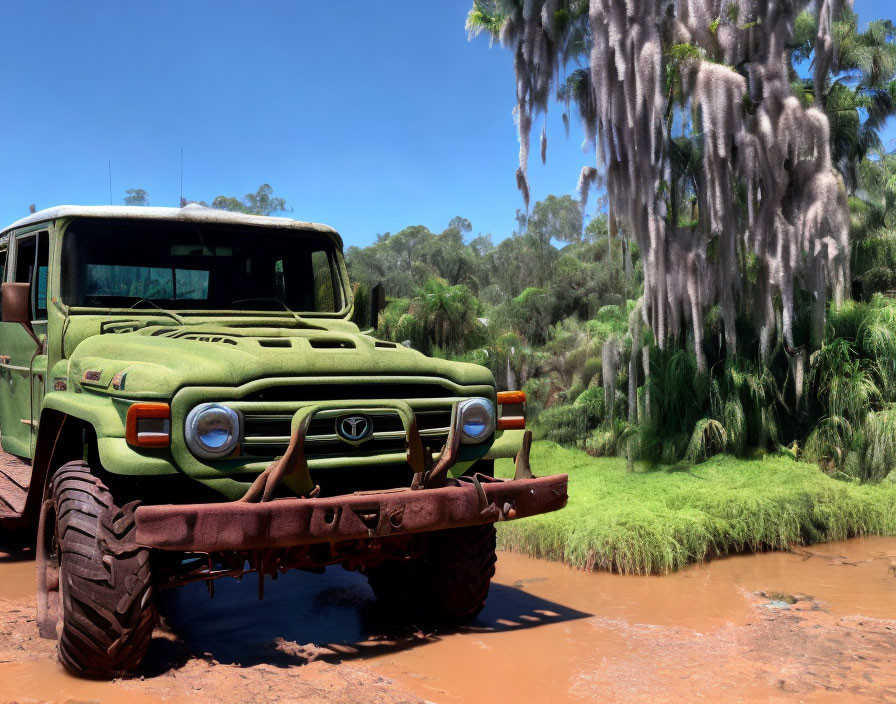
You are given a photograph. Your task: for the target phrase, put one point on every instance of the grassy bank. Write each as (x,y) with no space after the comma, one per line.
(660,520)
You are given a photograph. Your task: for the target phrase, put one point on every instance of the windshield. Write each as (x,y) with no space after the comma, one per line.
(198,267)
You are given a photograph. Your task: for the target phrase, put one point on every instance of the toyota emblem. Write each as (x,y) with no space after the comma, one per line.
(354,428)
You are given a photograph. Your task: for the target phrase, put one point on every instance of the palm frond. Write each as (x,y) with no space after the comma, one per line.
(708,438)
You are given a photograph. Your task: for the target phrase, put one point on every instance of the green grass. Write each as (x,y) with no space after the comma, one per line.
(660,520)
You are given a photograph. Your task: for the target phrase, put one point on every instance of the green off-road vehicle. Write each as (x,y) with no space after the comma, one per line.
(183,396)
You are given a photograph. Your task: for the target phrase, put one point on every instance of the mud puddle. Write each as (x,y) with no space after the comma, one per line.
(775,626)
(818,624)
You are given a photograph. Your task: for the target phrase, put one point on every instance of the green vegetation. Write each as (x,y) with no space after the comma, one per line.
(136,196)
(262,202)
(785,411)
(777,366)
(662,519)
(829,406)
(526,308)
(560,310)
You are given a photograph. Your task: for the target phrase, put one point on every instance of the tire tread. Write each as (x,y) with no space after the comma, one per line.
(108,610)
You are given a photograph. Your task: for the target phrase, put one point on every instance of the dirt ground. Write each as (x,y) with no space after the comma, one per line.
(813,625)
(29,673)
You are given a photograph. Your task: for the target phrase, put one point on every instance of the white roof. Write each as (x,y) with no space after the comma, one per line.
(190,213)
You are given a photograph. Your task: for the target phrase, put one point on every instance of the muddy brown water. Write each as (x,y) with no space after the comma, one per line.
(548,633)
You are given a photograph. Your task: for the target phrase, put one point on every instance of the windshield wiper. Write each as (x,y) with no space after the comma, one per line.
(264,300)
(173,316)
(298,318)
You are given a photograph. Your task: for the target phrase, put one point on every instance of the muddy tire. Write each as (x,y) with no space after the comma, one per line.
(448,584)
(108,611)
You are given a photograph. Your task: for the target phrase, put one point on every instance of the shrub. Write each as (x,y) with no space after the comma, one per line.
(563,424)
(592,403)
(709,438)
(538,390)
(735,424)
(878,455)
(827,444)
(844,382)
(678,399)
(877,280)
(591,369)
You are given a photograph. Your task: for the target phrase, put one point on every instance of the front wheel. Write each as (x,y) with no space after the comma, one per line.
(105,583)
(449,583)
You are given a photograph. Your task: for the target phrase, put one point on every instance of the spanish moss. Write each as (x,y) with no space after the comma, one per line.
(713,166)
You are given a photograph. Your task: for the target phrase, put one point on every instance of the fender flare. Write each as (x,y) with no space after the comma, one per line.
(59,411)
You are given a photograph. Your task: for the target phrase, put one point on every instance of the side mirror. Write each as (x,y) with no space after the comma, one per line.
(377,303)
(15,303)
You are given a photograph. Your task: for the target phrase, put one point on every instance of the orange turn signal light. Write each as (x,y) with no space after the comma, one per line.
(510,398)
(148,425)
(512,423)
(513,403)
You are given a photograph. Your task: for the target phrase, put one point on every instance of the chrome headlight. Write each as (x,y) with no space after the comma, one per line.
(212,431)
(477,420)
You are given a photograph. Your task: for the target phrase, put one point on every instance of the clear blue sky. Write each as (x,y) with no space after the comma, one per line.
(369,116)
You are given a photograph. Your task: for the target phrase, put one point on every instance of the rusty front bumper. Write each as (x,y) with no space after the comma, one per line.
(432,502)
(289,522)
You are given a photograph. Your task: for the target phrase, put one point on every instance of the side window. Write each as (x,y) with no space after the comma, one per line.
(3,253)
(25,250)
(279,281)
(39,279)
(324,291)
(32,257)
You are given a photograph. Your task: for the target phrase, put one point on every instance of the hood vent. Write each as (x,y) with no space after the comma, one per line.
(219,339)
(120,326)
(197,336)
(322,343)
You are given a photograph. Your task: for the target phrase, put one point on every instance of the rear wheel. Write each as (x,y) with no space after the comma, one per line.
(105,585)
(449,583)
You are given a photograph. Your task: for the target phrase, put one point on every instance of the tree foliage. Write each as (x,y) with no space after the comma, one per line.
(533,292)
(262,202)
(727,134)
(136,196)
(710,156)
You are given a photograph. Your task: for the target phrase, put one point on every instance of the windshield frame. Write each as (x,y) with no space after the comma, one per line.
(341,286)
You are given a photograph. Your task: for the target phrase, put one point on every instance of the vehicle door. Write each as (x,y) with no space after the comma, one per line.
(22,357)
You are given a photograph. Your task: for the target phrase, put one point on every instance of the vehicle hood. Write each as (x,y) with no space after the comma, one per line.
(156,361)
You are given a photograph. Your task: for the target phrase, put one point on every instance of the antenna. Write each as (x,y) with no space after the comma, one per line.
(181,177)
(110,183)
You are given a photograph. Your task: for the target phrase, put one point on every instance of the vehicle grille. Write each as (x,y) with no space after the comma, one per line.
(267,435)
(268,407)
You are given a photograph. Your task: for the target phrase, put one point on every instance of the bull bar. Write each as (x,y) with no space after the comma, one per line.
(434,501)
